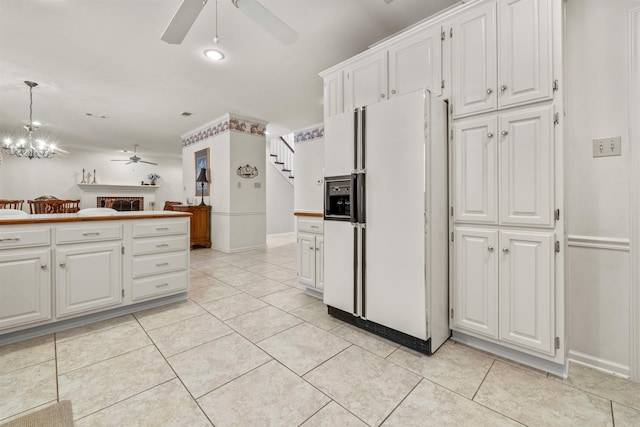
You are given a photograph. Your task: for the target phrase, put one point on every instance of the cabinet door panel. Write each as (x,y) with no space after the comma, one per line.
(414,63)
(475,289)
(526,168)
(527,290)
(333,100)
(474,61)
(88,277)
(319,262)
(25,287)
(366,81)
(524,51)
(475,171)
(306,259)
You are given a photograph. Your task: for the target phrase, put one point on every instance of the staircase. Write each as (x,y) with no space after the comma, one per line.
(281,155)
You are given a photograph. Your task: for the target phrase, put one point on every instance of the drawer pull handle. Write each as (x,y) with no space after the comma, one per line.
(63,265)
(489,91)
(162,228)
(162,285)
(44,267)
(504,133)
(162,245)
(162,264)
(10,239)
(314,226)
(505,250)
(490,248)
(92,233)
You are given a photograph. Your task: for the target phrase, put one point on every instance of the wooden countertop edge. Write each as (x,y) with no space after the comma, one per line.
(27,220)
(313,214)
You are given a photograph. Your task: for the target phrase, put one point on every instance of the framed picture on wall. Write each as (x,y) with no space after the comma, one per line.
(202,162)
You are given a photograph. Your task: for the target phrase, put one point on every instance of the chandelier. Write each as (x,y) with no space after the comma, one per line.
(30,146)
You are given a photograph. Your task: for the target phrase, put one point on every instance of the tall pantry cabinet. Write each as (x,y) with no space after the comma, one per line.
(506,187)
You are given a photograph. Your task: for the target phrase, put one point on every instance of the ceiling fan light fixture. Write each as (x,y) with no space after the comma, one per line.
(214,55)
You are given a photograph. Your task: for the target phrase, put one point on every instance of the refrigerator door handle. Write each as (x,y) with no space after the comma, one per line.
(355,139)
(353,199)
(360,198)
(355,269)
(363,272)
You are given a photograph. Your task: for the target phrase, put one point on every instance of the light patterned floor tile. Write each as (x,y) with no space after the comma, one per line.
(303,347)
(333,415)
(428,401)
(263,323)
(213,292)
(455,367)
(97,386)
(178,337)
(316,314)
(239,279)
(26,353)
(263,267)
(168,404)
(98,346)
(604,385)
(624,416)
(167,314)
(289,299)
(268,396)
(220,271)
(102,325)
(22,414)
(213,364)
(373,343)
(367,385)
(233,306)
(262,286)
(281,275)
(533,399)
(26,388)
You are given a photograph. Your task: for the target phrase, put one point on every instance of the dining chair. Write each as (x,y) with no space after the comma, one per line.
(50,206)
(11,204)
(168,206)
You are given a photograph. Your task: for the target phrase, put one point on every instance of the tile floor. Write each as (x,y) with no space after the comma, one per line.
(250,348)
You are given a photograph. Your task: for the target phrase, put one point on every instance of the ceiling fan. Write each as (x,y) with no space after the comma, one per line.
(134,158)
(190,9)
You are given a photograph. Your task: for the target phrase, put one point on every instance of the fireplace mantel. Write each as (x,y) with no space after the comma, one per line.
(117,187)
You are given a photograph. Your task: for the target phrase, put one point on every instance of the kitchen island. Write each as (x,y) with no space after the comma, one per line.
(63,270)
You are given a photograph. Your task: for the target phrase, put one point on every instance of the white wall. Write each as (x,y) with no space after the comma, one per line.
(597,190)
(27,179)
(280,217)
(309,170)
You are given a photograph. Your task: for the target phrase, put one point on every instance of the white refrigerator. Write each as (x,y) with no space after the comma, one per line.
(386,269)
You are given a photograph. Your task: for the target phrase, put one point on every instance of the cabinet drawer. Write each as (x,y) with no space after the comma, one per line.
(154,245)
(158,228)
(159,285)
(22,238)
(155,264)
(310,225)
(88,233)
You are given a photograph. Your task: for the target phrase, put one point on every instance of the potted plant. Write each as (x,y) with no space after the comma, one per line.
(153,177)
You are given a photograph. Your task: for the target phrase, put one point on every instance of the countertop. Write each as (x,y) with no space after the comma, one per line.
(74,217)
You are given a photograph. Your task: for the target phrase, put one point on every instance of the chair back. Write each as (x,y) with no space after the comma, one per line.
(168,206)
(11,204)
(49,206)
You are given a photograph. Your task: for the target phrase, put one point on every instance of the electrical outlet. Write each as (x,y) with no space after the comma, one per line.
(607,146)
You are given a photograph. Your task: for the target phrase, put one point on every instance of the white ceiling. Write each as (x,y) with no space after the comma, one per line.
(105,57)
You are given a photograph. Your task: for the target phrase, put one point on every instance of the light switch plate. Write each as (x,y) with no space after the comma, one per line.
(607,146)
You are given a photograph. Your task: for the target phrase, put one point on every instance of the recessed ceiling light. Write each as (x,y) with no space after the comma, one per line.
(214,55)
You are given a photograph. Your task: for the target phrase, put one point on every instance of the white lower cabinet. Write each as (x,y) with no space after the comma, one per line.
(311,254)
(503,286)
(88,277)
(25,286)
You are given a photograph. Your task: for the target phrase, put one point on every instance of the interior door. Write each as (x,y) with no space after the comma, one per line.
(395,208)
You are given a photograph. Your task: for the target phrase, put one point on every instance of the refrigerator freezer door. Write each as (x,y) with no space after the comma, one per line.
(395,209)
(340,144)
(340,240)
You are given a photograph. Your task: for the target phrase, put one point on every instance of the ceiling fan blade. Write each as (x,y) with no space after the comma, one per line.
(149,163)
(119,160)
(182,21)
(267,20)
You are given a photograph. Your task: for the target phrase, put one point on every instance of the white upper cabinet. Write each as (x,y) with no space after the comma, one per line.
(527,290)
(365,81)
(414,63)
(475,155)
(333,100)
(474,61)
(527,167)
(502,56)
(524,51)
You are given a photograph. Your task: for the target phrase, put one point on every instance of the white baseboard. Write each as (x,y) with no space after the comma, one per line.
(600,364)
(235,250)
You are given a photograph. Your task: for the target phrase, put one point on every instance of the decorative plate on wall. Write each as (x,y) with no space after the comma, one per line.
(248,171)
